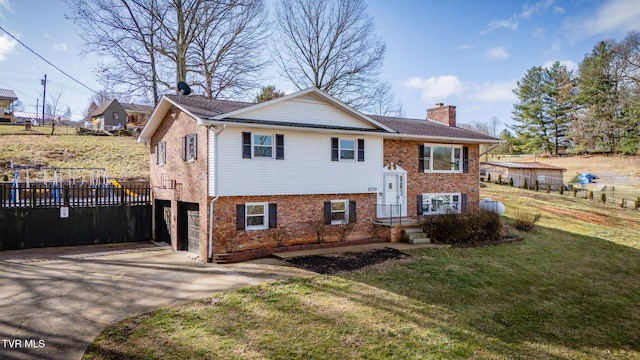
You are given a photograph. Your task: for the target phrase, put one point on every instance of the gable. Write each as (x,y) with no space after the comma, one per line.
(308,109)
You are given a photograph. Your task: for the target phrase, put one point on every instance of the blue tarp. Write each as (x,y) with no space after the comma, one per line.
(586,178)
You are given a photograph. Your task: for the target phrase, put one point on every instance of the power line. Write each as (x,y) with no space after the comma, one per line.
(47,61)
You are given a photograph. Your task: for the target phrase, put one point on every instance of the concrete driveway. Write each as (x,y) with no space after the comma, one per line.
(54,301)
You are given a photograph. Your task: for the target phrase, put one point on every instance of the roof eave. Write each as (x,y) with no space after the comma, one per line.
(457,140)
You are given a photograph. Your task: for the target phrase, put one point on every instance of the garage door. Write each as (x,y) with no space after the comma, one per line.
(189,227)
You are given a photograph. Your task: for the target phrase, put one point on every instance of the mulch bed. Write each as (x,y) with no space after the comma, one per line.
(346,261)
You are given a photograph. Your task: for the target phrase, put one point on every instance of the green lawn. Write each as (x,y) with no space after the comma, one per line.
(570,290)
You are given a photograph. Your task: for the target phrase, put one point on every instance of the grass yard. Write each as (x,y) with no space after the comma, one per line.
(122,157)
(570,290)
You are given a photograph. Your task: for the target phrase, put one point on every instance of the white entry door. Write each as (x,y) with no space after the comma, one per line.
(394,195)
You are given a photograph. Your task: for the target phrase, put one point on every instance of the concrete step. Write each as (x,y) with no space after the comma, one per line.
(411,231)
(416,236)
(419,240)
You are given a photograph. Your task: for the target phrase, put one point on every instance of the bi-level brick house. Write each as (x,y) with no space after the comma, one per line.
(233,176)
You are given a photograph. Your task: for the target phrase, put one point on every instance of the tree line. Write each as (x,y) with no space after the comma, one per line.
(222,48)
(595,110)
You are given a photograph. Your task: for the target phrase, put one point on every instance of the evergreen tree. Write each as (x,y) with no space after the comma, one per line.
(533,122)
(561,91)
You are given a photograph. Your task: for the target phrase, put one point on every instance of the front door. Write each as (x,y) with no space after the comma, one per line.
(394,194)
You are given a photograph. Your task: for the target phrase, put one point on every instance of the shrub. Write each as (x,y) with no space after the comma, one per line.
(623,203)
(561,190)
(536,186)
(510,181)
(470,228)
(548,188)
(500,179)
(575,192)
(636,205)
(525,185)
(344,230)
(318,227)
(279,235)
(603,198)
(526,221)
(489,177)
(590,194)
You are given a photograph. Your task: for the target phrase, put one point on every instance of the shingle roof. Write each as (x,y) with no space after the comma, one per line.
(428,128)
(204,107)
(8,94)
(101,109)
(137,108)
(525,165)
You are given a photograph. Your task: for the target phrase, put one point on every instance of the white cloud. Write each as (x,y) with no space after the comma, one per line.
(438,88)
(527,12)
(613,15)
(59,47)
(7,44)
(496,53)
(4,4)
(570,65)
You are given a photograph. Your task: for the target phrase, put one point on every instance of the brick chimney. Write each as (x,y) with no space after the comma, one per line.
(444,114)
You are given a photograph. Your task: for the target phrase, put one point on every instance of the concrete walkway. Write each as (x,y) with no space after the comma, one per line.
(54,301)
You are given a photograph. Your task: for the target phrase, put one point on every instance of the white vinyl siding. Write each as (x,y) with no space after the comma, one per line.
(306,169)
(307,109)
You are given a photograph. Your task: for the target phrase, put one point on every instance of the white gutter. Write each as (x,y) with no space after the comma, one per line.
(215,185)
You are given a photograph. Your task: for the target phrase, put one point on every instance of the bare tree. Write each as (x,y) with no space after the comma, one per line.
(125,32)
(330,45)
(150,45)
(225,56)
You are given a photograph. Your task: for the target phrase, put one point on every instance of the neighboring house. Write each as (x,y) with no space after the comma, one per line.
(20,117)
(7,97)
(234,176)
(137,115)
(110,115)
(519,171)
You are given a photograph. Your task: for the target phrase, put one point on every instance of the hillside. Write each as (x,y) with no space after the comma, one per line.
(122,157)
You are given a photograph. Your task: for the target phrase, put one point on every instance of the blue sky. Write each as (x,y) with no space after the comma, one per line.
(464,53)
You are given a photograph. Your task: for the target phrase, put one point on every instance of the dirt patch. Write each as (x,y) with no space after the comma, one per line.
(347,261)
(584,216)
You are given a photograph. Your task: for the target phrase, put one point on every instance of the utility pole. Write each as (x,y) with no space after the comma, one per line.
(44,96)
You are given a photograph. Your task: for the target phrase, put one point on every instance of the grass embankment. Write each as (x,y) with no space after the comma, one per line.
(570,290)
(122,157)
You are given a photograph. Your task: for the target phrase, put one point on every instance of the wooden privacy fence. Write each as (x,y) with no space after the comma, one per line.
(42,215)
(37,195)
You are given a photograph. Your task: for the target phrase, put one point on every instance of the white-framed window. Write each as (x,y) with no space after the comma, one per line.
(441,203)
(190,147)
(339,211)
(347,149)
(256,216)
(262,146)
(161,153)
(441,158)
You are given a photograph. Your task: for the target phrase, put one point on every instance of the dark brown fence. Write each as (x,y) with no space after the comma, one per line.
(43,216)
(53,196)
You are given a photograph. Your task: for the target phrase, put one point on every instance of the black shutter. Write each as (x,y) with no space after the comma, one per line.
(421,158)
(246,145)
(334,149)
(352,212)
(184,148)
(195,146)
(279,147)
(273,216)
(240,223)
(360,149)
(465,159)
(419,201)
(463,203)
(327,212)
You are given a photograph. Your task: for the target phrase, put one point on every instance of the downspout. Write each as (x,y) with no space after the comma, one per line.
(215,186)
